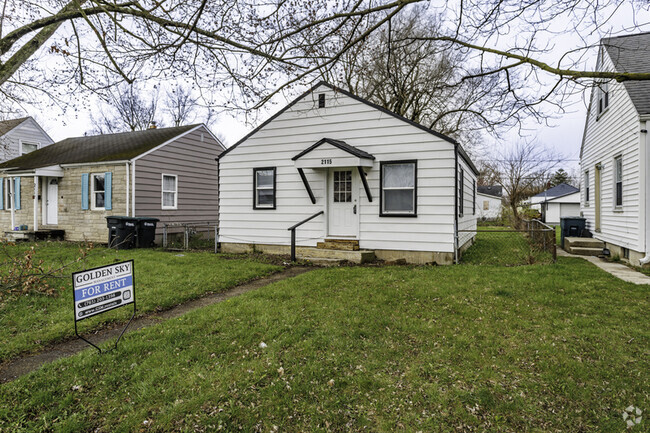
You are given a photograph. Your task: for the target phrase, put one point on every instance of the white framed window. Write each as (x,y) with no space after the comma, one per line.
(97,191)
(461,192)
(26,147)
(398,186)
(603,97)
(8,195)
(618,181)
(264,188)
(169,191)
(587,191)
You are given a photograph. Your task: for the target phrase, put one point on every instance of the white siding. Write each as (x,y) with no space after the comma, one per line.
(494,205)
(29,132)
(469,218)
(615,132)
(361,126)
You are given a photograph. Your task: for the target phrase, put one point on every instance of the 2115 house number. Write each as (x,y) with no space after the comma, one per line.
(325,161)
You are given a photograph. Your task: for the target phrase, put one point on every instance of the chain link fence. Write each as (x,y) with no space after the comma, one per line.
(533,242)
(190,236)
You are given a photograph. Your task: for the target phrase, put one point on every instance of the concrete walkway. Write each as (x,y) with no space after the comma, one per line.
(619,270)
(17,367)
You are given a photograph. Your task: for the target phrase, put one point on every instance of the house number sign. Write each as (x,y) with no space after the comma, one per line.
(326,161)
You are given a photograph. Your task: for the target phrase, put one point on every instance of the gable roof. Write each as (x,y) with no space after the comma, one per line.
(97,148)
(461,151)
(631,53)
(558,191)
(577,200)
(493,190)
(336,143)
(8,125)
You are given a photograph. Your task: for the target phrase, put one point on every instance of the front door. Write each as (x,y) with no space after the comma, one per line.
(53,201)
(343,206)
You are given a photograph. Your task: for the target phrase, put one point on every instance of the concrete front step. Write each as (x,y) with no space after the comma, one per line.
(571,242)
(321,261)
(339,244)
(584,251)
(360,256)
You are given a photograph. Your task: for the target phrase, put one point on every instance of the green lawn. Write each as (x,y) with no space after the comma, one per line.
(163,279)
(563,347)
(498,245)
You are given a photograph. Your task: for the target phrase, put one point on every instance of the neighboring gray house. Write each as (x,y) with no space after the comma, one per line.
(21,136)
(555,203)
(72,185)
(615,154)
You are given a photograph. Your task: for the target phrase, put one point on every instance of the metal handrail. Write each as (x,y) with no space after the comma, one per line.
(293,228)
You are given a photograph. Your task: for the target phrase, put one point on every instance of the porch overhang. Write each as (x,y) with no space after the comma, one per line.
(51,171)
(328,153)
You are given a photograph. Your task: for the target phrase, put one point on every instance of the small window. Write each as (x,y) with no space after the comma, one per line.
(398,188)
(603,97)
(587,188)
(28,147)
(98,191)
(486,205)
(8,198)
(473,197)
(264,188)
(321,100)
(618,179)
(461,192)
(169,191)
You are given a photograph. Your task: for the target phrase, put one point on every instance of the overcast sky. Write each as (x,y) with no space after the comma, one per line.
(563,133)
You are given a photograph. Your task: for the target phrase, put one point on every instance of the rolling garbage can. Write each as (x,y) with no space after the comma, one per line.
(146,231)
(571,227)
(121,232)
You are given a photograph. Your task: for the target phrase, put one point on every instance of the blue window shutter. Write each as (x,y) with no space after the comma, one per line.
(84,191)
(2,194)
(108,190)
(17,192)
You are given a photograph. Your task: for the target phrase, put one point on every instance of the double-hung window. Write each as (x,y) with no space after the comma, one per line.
(9,197)
(603,97)
(587,188)
(618,181)
(169,191)
(398,193)
(264,188)
(98,191)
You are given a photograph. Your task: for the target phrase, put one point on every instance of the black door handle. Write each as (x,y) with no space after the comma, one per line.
(354,209)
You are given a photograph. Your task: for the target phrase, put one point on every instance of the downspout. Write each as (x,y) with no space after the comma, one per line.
(646,151)
(132,188)
(127,189)
(456,203)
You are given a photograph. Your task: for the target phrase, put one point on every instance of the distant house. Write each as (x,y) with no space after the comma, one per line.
(21,136)
(489,202)
(615,153)
(560,201)
(72,185)
(372,180)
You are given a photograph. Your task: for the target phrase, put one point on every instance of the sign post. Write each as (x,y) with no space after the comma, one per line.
(103,289)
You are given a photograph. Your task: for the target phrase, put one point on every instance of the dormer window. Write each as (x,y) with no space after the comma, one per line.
(603,97)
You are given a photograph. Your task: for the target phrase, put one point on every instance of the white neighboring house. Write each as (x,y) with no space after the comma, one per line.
(397,187)
(615,156)
(562,200)
(489,202)
(21,136)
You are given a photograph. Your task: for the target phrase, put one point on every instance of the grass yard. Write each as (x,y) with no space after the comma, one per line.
(497,245)
(163,279)
(564,348)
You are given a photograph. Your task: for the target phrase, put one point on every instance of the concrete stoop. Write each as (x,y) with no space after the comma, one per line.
(31,235)
(333,257)
(584,246)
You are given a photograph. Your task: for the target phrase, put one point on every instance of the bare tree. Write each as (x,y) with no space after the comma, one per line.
(181,106)
(253,50)
(522,170)
(126,109)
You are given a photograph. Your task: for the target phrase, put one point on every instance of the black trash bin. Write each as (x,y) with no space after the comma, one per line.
(571,227)
(121,232)
(146,231)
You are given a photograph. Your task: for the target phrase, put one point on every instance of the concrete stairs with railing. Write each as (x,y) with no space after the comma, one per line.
(333,252)
(584,246)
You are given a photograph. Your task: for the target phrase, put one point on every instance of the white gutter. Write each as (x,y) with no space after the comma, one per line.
(81,164)
(645,161)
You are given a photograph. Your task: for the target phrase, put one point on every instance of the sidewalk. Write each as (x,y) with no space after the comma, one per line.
(619,270)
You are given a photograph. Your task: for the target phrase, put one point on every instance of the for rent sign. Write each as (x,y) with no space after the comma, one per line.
(102,289)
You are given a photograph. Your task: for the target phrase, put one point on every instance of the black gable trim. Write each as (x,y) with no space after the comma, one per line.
(336,143)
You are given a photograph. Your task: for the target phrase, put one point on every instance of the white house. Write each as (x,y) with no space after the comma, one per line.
(562,200)
(21,136)
(615,156)
(489,202)
(373,181)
